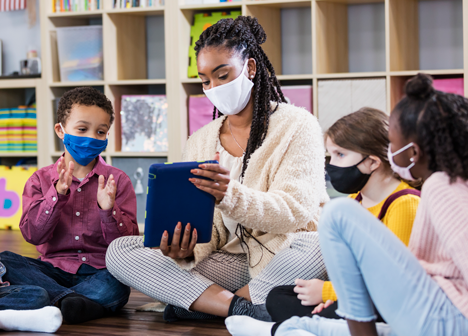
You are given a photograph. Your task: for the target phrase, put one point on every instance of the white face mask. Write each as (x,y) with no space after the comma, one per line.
(233,97)
(404,172)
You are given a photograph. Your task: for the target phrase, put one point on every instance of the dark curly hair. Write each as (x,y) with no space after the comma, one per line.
(244,35)
(438,122)
(84,96)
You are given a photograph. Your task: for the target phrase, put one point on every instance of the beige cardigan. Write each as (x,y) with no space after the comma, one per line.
(283,189)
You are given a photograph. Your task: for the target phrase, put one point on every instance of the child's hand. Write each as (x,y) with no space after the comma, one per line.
(106,192)
(322,306)
(309,291)
(65,176)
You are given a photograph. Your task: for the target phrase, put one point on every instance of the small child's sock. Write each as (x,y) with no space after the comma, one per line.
(173,313)
(77,308)
(248,326)
(241,306)
(47,319)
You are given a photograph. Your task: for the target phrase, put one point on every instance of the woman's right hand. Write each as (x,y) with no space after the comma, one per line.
(178,249)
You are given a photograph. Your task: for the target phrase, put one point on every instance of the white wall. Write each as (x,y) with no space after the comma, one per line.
(16,37)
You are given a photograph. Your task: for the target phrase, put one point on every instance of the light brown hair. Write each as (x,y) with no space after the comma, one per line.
(364,131)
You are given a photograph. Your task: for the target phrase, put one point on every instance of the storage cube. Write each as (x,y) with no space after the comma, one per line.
(450,85)
(200,112)
(299,95)
(80,53)
(337,98)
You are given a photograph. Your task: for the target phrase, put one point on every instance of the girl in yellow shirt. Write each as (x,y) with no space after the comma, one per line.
(358,145)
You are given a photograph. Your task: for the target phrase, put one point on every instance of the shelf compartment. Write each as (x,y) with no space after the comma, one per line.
(397,85)
(77,15)
(337,98)
(214,7)
(288,46)
(147,11)
(426,34)
(115,93)
(134,45)
(350,36)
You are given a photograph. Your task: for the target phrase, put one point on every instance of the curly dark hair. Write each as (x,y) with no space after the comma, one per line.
(84,96)
(244,35)
(438,122)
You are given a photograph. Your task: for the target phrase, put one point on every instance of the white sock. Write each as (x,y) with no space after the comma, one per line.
(47,319)
(247,326)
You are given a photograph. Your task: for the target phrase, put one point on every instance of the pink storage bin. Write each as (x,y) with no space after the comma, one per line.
(299,95)
(450,85)
(200,112)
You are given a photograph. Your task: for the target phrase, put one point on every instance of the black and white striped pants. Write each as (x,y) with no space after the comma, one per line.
(159,277)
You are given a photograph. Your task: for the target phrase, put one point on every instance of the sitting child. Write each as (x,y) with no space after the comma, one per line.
(359,166)
(72,211)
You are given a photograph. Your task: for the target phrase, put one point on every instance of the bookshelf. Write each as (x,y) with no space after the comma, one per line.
(334,49)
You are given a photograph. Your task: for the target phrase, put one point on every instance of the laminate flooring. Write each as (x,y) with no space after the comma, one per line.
(128,321)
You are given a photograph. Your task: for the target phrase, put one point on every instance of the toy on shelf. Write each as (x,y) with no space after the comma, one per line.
(144,123)
(12,182)
(200,23)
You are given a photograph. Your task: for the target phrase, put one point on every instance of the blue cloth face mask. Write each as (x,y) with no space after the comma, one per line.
(83,149)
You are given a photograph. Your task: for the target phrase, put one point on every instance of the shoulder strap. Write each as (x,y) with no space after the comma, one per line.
(394,197)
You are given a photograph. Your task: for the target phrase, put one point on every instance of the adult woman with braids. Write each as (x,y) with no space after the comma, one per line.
(269,188)
(422,290)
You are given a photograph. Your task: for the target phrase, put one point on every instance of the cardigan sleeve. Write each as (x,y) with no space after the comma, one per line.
(296,190)
(328,292)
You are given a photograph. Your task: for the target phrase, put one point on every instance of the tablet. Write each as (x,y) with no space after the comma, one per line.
(172,198)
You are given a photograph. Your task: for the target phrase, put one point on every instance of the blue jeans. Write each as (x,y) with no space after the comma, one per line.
(369,266)
(97,285)
(23,297)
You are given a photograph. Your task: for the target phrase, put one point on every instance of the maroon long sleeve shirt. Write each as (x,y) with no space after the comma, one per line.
(71,230)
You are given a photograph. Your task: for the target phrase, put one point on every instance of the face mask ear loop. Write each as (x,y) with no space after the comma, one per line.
(401,150)
(63,130)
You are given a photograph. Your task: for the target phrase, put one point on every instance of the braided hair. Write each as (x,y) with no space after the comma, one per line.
(244,35)
(438,122)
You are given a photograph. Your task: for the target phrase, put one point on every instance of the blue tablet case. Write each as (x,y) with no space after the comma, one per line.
(172,198)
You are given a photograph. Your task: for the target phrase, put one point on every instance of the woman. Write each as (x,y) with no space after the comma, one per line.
(358,146)
(422,290)
(269,190)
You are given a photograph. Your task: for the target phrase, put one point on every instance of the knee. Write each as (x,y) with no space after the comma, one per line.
(39,296)
(276,297)
(334,211)
(117,252)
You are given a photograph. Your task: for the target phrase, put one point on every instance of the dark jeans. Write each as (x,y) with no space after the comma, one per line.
(97,285)
(282,304)
(23,297)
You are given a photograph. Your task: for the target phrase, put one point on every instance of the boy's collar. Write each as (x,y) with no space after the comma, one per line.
(98,169)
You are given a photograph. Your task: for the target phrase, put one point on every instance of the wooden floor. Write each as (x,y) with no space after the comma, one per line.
(127,322)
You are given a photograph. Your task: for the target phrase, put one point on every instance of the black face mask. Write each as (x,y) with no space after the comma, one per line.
(347,180)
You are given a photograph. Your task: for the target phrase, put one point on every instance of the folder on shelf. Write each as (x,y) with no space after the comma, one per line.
(450,85)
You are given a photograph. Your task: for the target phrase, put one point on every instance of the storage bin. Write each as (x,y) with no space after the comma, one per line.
(80,53)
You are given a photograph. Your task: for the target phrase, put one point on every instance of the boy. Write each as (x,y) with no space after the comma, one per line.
(72,211)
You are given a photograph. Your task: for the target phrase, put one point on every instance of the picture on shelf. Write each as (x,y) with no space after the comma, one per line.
(144,123)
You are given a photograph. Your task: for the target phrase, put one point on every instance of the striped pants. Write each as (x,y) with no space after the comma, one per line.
(159,277)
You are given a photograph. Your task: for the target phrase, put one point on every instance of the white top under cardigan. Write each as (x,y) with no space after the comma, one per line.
(282,192)
(234,165)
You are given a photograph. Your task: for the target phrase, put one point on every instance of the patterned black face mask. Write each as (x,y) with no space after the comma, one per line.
(347,180)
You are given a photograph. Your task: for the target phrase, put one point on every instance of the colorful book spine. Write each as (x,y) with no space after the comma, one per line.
(18,130)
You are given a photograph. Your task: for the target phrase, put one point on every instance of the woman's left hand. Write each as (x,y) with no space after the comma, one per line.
(219,175)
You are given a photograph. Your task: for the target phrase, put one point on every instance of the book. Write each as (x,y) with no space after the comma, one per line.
(144,123)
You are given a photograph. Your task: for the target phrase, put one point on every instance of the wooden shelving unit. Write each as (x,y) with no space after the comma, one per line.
(125,57)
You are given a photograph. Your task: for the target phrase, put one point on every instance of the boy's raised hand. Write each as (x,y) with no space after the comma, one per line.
(106,192)
(65,176)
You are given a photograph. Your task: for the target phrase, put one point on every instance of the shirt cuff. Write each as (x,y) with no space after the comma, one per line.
(328,292)
(228,203)
(113,216)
